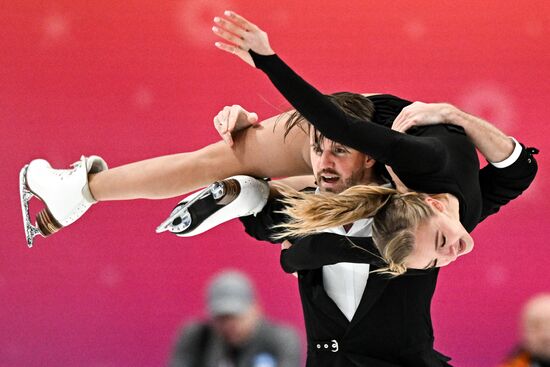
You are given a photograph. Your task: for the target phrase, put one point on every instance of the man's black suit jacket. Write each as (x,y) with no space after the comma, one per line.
(392,326)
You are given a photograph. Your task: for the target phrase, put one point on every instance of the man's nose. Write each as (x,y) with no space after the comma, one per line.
(327,159)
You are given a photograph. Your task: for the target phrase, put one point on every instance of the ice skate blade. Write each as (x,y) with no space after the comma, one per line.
(26,195)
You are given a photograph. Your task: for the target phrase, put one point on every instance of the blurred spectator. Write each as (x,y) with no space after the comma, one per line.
(237,334)
(534,350)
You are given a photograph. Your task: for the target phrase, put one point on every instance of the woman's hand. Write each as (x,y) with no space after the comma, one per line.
(242,35)
(232,119)
(285,245)
(419,114)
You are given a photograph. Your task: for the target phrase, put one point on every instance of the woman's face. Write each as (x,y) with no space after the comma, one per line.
(440,239)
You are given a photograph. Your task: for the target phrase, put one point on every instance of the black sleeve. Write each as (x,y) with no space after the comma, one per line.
(500,185)
(260,226)
(315,251)
(386,108)
(385,145)
(310,252)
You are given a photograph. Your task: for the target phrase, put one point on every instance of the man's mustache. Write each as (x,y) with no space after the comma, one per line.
(328,171)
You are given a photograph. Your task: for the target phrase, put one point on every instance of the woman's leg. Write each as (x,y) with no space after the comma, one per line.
(261,151)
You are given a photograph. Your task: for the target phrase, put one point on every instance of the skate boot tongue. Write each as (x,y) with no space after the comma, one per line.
(94,164)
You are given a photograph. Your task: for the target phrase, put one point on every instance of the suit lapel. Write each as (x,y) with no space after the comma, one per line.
(314,287)
(374,289)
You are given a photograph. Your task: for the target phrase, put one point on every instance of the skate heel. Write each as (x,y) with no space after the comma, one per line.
(228,191)
(47,223)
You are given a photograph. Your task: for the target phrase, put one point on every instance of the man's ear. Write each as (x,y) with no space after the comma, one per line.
(436,204)
(369,161)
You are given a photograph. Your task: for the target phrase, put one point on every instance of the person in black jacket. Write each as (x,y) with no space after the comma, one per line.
(391,323)
(441,193)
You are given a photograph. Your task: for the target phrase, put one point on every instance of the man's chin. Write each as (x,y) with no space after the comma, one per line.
(335,189)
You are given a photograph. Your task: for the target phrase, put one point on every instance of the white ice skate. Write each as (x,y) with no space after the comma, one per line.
(233,197)
(64,192)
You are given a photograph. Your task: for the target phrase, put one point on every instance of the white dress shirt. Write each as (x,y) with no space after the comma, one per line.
(345,282)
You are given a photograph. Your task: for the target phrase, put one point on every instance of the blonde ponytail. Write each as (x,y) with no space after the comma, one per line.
(312,213)
(396,216)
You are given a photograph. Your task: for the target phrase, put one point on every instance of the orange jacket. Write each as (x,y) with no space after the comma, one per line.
(519,360)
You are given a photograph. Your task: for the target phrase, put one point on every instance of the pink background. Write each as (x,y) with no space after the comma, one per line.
(135,79)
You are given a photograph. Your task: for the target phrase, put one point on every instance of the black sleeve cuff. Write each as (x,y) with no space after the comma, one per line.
(263,61)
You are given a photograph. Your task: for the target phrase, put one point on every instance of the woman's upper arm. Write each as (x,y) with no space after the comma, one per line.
(380,142)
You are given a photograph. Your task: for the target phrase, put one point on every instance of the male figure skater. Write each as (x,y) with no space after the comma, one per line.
(353,317)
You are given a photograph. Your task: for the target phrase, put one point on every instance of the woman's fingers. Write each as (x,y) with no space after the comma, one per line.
(240,20)
(220,124)
(242,54)
(228,36)
(253,118)
(217,124)
(229,26)
(241,36)
(228,138)
(226,47)
(233,116)
(232,119)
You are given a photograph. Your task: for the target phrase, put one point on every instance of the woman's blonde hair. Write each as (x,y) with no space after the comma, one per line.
(395,215)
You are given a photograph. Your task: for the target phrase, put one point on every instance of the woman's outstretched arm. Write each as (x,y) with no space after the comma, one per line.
(393,148)
(262,151)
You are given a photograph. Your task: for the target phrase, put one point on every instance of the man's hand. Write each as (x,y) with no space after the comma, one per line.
(242,35)
(285,246)
(419,114)
(493,144)
(232,119)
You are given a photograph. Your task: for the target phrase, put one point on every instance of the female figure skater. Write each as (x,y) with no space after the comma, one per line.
(69,193)
(427,227)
